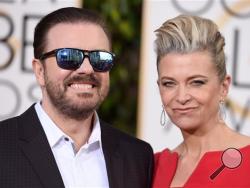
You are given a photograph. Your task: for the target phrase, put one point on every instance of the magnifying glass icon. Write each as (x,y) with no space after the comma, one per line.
(231,158)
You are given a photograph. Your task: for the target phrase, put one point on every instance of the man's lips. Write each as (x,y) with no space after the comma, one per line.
(81,86)
(86,82)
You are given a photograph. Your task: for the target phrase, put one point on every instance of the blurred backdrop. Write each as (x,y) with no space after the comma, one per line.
(133,104)
(124,20)
(233,20)
(17,85)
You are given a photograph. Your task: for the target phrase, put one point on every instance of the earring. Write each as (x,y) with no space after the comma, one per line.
(222,110)
(163,119)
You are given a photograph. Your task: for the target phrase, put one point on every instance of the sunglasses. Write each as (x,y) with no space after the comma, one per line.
(72,58)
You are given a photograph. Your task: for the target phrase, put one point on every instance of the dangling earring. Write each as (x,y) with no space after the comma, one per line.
(222,110)
(163,119)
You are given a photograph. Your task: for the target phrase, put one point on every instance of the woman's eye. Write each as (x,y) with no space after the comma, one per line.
(168,84)
(198,82)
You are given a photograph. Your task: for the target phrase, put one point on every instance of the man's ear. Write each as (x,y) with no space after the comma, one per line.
(38,69)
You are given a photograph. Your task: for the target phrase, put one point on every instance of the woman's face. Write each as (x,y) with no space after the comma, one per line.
(190,89)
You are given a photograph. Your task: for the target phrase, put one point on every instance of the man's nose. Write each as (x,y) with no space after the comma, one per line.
(86,67)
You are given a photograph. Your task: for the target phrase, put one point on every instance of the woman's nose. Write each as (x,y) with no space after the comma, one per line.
(183,95)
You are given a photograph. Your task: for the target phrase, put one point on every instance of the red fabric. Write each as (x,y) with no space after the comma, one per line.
(166,163)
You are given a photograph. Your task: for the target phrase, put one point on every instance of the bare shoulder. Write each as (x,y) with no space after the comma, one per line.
(241,140)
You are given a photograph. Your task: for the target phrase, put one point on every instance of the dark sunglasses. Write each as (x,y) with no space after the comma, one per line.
(72,58)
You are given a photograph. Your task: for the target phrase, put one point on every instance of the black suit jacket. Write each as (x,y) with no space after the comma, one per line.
(26,160)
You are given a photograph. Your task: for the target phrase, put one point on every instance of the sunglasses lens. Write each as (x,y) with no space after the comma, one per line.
(69,58)
(101,61)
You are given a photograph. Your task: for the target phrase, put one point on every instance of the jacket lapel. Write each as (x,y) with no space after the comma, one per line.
(35,146)
(112,155)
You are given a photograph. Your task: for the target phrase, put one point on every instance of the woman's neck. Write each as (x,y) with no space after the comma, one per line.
(197,143)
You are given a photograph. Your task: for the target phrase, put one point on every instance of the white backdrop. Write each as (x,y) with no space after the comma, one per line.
(18,88)
(233,19)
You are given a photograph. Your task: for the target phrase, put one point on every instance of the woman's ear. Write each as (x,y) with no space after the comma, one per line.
(38,70)
(225,86)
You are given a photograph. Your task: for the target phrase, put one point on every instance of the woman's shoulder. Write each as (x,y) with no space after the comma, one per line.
(245,149)
(163,152)
(165,155)
(165,167)
(241,141)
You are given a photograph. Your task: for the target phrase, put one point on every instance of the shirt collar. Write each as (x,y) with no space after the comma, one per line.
(55,134)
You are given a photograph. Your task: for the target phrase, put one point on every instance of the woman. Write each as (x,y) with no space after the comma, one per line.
(193,85)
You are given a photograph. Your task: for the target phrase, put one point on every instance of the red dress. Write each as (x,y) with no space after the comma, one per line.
(166,163)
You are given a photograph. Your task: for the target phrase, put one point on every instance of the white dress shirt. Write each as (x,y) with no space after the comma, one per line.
(83,169)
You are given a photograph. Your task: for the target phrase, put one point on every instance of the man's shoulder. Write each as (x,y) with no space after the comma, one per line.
(11,124)
(8,123)
(8,134)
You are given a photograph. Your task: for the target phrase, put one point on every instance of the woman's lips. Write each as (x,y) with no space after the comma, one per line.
(184,110)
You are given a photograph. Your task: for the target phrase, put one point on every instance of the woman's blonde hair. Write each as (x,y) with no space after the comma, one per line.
(186,34)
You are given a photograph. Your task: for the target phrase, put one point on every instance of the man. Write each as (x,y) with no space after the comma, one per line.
(60,141)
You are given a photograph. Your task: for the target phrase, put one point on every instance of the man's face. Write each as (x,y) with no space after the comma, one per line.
(75,93)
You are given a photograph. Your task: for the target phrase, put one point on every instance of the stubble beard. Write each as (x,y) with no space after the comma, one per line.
(78,110)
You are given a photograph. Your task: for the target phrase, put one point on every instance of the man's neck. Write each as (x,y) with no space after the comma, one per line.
(78,130)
